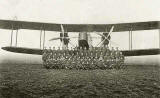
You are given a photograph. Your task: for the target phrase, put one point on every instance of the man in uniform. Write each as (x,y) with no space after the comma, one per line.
(79,62)
(121,60)
(94,51)
(85,51)
(104,51)
(101,49)
(71,51)
(91,56)
(87,66)
(67,51)
(89,63)
(67,64)
(73,61)
(96,60)
(76,50)
(92,65)
(81,54)
(108,52)
(106,61)
(44,50)
(63,51)
(117,57)
(44,57)
(82,63)
(101,60)
(53,53)
(112,65)
(58,52)
(98,51)
(113,51)
(49,57)
(91,50)
(50,52)
(101,57)
(62,61)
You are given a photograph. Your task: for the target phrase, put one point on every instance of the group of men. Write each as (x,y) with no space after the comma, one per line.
(82,58)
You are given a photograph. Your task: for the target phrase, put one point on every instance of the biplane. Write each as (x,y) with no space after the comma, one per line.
(104,30)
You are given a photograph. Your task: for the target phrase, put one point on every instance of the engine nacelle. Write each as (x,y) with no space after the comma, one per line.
(64,38)
(106,42)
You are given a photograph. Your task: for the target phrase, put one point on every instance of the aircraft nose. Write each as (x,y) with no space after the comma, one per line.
(4,48)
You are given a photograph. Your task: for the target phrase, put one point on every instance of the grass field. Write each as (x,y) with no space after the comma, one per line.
(34,81)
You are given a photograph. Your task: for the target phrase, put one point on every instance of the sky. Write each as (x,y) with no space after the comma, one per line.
(80,11)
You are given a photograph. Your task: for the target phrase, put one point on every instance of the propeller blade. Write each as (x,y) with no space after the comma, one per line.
(106,38)
(96,37)
(71,44)
(62,38)
(100,34)
(54,39)
(100,43)
(108,34)
(71,37)
(110,31)
(112,42)
(62,29)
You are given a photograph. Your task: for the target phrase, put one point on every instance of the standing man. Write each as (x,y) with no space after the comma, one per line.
(112,58)
(117,57)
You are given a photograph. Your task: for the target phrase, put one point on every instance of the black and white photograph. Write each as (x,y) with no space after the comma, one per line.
(79,49)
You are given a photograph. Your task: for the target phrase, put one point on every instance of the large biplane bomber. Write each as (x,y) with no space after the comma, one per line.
(83,56)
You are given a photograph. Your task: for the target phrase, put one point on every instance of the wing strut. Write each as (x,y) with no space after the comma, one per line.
(16,37)
(159,38)
(63,37)
(40,38)
(130,39)
(44,38)
(11,36)
(12,33)
(41,32)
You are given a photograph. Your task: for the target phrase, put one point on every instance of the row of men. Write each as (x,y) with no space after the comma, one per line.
(93,52)
(101,58)
(84,63)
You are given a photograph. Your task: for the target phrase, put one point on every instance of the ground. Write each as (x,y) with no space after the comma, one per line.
(34,81)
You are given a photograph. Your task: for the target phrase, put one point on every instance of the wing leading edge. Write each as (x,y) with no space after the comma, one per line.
(35,51)
(24,50)
(119,27)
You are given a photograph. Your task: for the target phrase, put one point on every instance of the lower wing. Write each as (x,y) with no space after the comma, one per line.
(141,52)
(36,51)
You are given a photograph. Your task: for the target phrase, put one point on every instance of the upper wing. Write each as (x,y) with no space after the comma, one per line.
(11,24)
(119,27)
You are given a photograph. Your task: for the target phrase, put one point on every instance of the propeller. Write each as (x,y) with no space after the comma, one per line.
(100,43)
(61,37)
(54,39)
(106,37)
(72,44)
(89,39)
(111,30)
